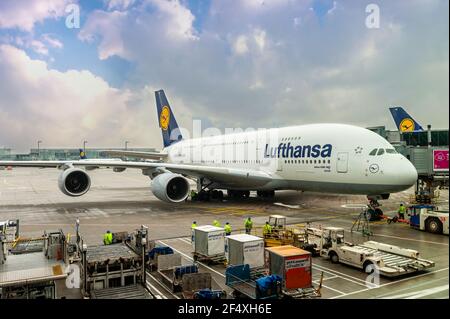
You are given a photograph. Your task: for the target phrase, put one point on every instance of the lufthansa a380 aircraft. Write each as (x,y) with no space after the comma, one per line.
(333,158)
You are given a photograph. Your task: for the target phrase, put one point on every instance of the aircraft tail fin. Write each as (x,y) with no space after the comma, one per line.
(82,154)
(169,127)
(404,121)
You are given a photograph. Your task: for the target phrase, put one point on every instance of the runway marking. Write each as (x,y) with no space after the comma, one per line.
(412,239)
(391,283)
(190,258)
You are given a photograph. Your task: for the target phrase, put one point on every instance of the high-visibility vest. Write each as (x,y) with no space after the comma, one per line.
(108,238)
(193,226)
(267,229)
(248,223)
(402,209)
(227,229)
(216,223)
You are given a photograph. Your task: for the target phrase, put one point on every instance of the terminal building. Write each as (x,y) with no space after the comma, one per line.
(60,154)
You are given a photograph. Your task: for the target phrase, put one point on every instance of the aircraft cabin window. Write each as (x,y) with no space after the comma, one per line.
(380,151)
(391,151)
(373,152)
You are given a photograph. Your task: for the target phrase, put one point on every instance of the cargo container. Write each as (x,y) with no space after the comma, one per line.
(292,264)
(245,249)
(209,241)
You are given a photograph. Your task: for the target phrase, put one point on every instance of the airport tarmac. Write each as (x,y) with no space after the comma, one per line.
(124,201)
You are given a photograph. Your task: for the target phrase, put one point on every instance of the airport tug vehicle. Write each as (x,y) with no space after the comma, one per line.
(388,260)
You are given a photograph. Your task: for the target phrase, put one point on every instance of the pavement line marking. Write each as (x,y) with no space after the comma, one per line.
(341,275)
(419,293)
(415,286)
(159,293)
(394,282)
(165,288)
(412,239)
(190,258)
(338,291)
(185,240)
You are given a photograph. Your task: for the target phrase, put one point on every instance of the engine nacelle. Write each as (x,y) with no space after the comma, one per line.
(170,187)
(74,182)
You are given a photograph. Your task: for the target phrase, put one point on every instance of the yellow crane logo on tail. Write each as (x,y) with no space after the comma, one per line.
(164,118)
(406,125)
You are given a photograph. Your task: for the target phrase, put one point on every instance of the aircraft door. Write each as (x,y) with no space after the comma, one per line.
(342,163)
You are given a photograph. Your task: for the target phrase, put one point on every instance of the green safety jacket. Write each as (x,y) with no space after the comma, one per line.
(267,229)
(108,238)
(248,224)
(227,229)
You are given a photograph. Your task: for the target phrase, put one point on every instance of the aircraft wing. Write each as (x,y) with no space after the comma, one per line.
(222,175)
(147,155)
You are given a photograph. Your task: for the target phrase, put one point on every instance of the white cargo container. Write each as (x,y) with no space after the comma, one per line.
(245,249)
(209,240)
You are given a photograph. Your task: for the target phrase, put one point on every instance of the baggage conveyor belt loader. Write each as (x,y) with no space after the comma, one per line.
(389,260)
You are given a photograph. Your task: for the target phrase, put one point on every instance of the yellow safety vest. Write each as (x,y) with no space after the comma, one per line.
(267,229)
(227,229)
(108,238)
(248,224)
(216,223)
(193,226)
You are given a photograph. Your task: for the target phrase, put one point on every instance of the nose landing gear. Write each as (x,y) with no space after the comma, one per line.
(374,211)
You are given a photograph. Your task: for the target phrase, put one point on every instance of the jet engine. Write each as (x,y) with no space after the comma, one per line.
(74,182)
(170,187)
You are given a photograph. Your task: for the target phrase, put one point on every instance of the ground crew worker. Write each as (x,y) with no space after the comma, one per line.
(193,195)
(193,226)
(267,229)
(216,223)
(227,229)
(401,211)
(248,225)
(108,238)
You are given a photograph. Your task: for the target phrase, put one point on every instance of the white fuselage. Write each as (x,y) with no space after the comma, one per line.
(318,157)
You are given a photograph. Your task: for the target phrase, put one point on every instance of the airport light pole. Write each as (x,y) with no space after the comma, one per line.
(84,146)
(39,147)
(126,145)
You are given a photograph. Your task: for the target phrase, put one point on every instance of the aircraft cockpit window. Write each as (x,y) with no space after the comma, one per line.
(380,151)
(391,151)
(373,152)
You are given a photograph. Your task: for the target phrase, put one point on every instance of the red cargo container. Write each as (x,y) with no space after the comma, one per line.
(292,264)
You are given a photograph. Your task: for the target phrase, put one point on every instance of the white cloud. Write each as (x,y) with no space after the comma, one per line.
(119,4)
(38,47)
(25,14)
(177,18)
(110,26)
(260,38)
(51,41)
(240,45)
(63,108)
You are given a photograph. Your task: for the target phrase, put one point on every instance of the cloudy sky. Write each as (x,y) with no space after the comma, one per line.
(229,63)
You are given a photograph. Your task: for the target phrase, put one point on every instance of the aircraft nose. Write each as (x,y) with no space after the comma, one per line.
(407,173)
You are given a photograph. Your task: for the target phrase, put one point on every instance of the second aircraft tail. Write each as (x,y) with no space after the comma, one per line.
(404,121)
